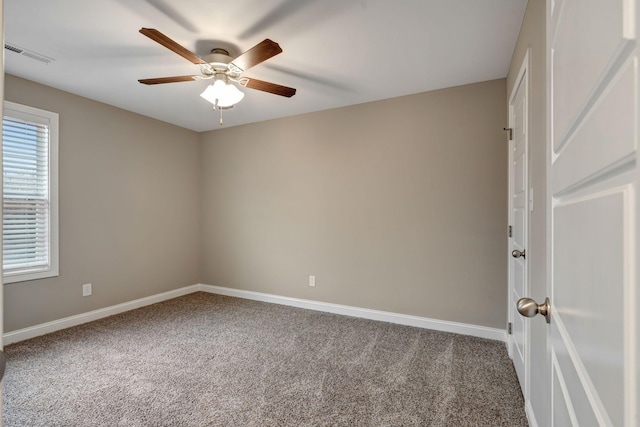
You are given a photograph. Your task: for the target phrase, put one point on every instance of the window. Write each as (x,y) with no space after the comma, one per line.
(30,193)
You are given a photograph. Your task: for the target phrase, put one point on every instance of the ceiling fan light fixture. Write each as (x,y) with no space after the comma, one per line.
(222,94)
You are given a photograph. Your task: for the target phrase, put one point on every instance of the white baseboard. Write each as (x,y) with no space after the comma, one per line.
(67,322)
(384,316)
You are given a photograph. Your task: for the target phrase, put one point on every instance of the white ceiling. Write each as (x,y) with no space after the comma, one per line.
(335,52)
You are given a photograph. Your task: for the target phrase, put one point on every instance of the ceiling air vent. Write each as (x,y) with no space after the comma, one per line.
(12,48)
(28,53)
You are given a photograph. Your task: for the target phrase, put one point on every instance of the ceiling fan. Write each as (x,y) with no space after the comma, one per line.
(222,69)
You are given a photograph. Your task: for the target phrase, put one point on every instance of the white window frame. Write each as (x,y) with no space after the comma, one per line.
(36,115)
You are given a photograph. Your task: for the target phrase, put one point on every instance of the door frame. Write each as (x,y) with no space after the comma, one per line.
(524,79)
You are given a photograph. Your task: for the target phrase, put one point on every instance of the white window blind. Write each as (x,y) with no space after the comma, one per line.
(29,138)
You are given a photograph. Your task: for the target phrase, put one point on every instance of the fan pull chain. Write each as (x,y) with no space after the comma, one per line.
(214,109)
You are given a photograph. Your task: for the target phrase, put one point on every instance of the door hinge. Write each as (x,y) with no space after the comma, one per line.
(510,130)
(509,328)
(510,231)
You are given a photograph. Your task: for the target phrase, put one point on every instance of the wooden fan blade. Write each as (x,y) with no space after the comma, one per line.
(172,45)
(259,53)
(161,80)
(268,87)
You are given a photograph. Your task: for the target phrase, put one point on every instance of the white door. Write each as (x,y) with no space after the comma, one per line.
(593,212)
(518,220)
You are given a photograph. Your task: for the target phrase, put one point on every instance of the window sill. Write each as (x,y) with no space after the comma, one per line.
(24,277)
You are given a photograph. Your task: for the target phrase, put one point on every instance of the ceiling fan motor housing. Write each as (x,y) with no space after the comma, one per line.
(218,64)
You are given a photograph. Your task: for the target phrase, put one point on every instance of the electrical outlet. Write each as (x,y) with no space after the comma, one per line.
(86,289)
(312,280)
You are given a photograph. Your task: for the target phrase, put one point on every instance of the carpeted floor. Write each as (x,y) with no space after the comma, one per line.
(209,360)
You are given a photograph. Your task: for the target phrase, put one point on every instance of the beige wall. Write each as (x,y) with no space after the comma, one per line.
(1,182)
(533,37)
(397,205)
(129,208)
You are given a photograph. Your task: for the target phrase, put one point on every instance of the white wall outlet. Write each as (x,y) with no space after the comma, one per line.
(86,289)
(312,280)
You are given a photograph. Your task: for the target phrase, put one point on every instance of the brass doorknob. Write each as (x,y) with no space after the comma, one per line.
(529,308)
(517,254)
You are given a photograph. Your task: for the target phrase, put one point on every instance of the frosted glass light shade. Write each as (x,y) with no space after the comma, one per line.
(222,94)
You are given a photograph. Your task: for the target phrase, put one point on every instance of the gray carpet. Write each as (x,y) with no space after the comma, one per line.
(209,360)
